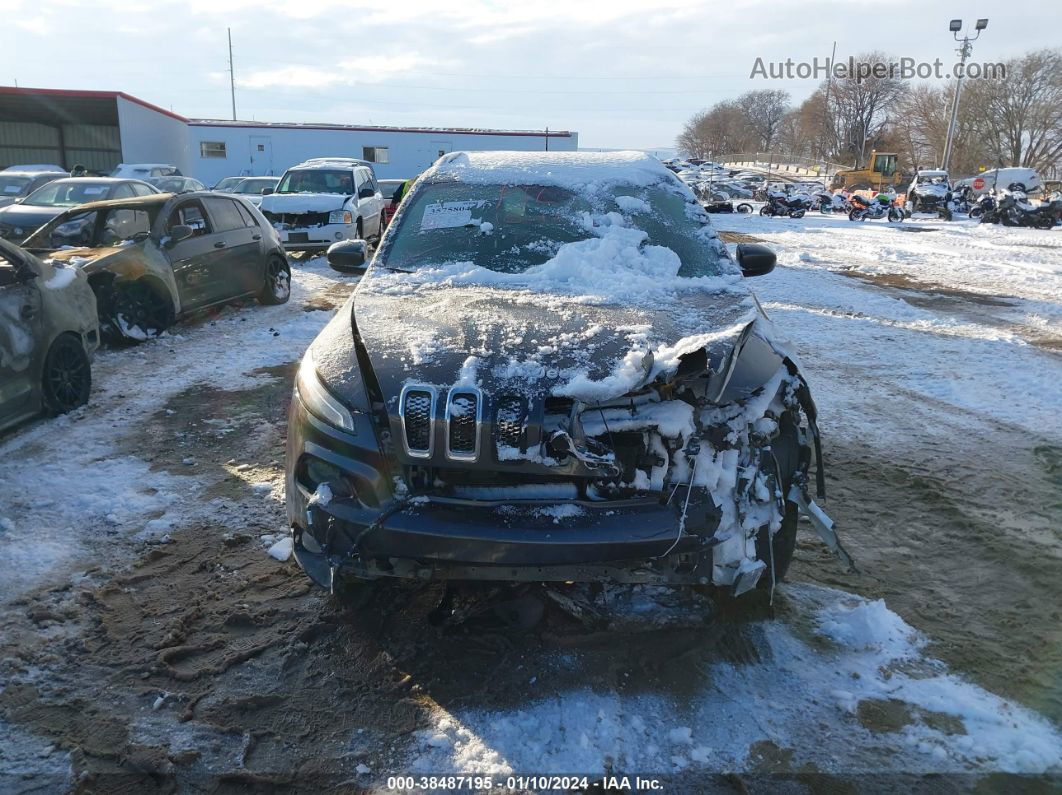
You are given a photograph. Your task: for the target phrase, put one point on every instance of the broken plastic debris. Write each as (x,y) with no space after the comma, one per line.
(281,550)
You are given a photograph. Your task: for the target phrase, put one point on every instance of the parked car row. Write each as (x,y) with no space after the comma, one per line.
(124,269)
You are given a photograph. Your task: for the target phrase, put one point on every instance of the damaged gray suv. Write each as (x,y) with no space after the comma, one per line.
(551,371)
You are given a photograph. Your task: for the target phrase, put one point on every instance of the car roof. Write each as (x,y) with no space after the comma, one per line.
(147,201)
(108,180)
(18,173)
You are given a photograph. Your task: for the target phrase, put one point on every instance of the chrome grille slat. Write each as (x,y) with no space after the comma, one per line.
(464,413)
(416,408)
(510,422)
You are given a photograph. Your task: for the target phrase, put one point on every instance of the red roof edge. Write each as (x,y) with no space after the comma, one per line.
(88,94)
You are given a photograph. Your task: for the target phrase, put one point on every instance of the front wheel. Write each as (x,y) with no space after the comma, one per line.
(777,550)
(744,208)
(67,377)
(138,312)
(895,215)
(277,286)
(975,213)
(826,208)
(765,211)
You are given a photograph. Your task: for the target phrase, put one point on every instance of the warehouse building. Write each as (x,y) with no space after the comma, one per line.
(100,129)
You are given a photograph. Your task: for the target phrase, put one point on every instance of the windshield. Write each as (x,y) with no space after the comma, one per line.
(317,181)
(170,184)
(253,185)
(64,193)
(112,226)
(389,186)
(12,186)
(511,228)
(227,183)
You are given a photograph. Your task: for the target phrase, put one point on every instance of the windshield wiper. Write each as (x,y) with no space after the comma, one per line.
(393,268)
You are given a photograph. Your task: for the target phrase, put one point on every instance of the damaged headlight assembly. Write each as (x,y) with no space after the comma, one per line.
(340,217)
(318,400)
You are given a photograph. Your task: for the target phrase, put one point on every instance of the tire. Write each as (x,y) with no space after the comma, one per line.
(137,312)
(825,208)
(765,211)
(895,215)
(277,286)
(857,215)
(66,380)
(796,213)
(975,213)
(781,546)
(744,208)
(359,230)
(947,215)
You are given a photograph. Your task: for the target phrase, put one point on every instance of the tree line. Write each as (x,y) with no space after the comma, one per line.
(1014,121)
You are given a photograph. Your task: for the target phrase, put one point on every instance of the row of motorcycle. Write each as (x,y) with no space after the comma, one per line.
(1009,207)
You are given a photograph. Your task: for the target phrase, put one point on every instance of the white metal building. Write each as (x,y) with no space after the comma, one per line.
(99,129)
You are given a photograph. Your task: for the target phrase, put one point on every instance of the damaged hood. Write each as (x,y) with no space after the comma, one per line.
(278,203)
(520,341)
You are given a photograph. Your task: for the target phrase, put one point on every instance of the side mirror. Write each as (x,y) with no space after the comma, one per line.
(755,260)
(348,256)
(366,193)
(266,191)
(179,233)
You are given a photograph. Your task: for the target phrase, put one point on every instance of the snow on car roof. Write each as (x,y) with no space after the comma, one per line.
(563,169)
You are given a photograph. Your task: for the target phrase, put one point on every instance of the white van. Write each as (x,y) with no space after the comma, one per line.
(1001,179)
(324,200)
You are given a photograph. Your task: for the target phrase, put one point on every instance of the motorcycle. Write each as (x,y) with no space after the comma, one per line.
(862,209)
(1014,209)
(779,206)
(985,211)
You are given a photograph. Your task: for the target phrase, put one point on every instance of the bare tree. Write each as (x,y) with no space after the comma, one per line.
(861,108)
(763,112)
(1020,117)
(719,130)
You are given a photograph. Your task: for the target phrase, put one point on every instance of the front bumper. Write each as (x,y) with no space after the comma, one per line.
(315,237)
(437,537)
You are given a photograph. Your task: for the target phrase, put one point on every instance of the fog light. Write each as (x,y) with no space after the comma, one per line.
(339,235)
(318,472)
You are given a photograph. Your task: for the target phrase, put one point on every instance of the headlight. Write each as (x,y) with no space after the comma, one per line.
(316,397)
(340,217)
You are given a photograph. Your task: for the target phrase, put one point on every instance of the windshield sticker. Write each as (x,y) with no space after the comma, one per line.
(93,190)
(447,215)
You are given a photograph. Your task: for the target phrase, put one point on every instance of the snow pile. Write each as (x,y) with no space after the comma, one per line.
(796,697)
(613,265)
(572,170)
(869,626)
(61,277)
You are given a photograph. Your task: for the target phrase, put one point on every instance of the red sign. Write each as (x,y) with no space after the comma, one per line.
(979,183)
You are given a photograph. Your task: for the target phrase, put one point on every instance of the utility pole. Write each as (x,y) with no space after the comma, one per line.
(232,76)
(547,139)
(964,52)
(826,114)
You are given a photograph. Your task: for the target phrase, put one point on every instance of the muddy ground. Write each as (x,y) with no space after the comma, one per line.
(205,665)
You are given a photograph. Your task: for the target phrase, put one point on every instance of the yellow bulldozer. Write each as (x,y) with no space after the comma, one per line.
(879,173)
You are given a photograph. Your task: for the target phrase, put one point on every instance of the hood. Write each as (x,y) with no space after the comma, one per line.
(518,341)
(28,217)
(302,202)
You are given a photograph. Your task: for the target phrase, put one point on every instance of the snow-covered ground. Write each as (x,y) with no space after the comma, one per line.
(852,694)
(73,486)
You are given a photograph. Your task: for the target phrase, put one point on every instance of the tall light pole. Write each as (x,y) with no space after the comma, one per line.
(964,52)
(232,77)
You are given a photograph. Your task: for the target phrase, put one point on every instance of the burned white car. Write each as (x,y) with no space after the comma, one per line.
(552,370)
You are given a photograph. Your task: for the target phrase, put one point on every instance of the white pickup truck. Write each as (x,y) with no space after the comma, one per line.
(324,200)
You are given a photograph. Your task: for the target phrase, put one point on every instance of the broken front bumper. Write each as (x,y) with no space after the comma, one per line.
(376,534)
(297,238)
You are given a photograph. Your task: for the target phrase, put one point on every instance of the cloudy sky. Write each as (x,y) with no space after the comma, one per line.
(623,73)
